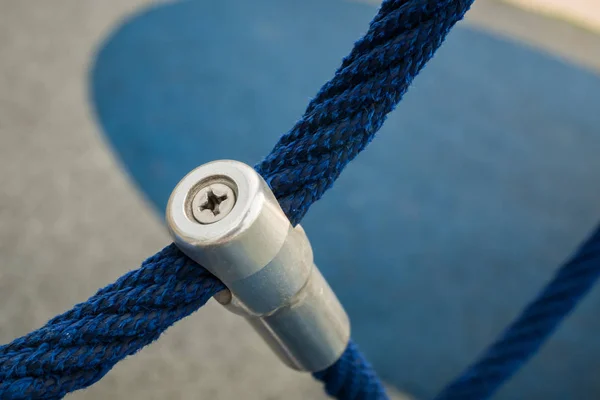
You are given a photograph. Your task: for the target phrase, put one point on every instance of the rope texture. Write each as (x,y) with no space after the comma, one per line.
(75,349)
(352,377)
(349,109)
(523,338)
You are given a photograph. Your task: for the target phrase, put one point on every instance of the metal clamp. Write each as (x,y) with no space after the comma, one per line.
(224,216)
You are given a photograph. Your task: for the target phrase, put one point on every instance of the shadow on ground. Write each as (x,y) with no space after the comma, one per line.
(483,180)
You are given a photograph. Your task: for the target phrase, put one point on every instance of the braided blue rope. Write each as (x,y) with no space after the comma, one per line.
(349,109)
(75,349)
(523,338)
(352,378)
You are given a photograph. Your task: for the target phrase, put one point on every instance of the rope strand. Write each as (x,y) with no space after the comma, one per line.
(523,338)
(349,109)
(76,349)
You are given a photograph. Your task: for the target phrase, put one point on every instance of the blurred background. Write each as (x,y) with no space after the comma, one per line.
(486,178)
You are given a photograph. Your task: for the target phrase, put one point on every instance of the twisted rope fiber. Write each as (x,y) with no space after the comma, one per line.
(349,109)
(77,348)
(523,338)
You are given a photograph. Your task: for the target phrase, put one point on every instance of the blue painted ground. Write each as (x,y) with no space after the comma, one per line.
(481,182)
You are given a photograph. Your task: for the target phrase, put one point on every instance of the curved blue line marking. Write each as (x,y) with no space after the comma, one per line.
(477,187)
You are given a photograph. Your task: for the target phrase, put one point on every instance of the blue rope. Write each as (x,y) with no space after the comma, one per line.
(523,338)
(349,109)
(76,349)
(352,377)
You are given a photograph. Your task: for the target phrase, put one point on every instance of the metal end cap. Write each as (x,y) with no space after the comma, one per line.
(239,243)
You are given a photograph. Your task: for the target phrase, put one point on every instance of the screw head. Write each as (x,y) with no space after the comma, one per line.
(212,203)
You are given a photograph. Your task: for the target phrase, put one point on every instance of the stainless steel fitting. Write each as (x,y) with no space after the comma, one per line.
(224,216)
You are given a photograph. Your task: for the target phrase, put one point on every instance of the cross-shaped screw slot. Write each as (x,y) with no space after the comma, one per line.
(212,203)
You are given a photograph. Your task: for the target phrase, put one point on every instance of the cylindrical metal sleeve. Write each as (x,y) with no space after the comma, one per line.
(266,264)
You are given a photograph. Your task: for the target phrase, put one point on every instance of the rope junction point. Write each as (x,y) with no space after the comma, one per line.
(266,264)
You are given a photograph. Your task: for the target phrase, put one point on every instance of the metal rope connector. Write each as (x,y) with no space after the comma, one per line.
(224,216)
